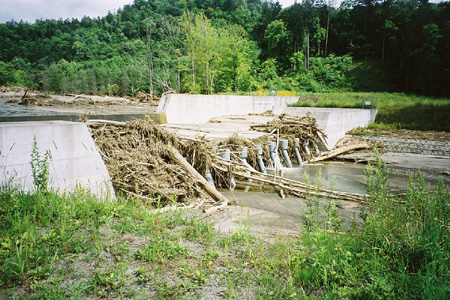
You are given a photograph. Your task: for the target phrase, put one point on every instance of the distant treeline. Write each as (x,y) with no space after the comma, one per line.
(212,46)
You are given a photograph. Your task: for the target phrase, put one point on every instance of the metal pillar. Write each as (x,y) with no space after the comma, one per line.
(226,155)
(259,160)
(297,152)
(283,144)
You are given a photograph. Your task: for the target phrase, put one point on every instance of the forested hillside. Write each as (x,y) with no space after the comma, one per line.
(217,46)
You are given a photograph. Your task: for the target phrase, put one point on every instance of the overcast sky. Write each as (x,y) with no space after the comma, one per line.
(30,10)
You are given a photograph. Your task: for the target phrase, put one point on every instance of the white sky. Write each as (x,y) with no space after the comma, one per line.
(30,10)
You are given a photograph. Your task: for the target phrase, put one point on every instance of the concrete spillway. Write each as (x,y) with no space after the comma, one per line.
(199,109)
(74,161)
(193,109)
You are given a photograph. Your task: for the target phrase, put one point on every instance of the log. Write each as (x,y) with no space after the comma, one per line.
(290,186)
(179,159)
(24,95)
(334,153)
(213,209)
(322,140)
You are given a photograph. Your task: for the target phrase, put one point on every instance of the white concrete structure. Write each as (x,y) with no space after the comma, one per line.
(335,122)
(197,109)
(74,159)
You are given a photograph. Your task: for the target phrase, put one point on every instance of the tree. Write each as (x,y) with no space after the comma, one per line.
(276,37)
(187,26)
(149,27)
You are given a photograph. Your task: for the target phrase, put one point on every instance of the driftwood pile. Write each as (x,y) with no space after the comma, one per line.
(147,162)
(291,127)
(236,142)
(143,97)
(143,161)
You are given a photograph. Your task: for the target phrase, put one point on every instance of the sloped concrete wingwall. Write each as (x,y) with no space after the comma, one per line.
(192,109)
(335,122)
(74,159)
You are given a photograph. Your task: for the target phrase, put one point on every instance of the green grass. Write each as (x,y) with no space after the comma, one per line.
(369,76)
(54,247)
(394,109)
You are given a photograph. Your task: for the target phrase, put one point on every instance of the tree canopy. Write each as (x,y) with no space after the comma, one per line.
(231,45)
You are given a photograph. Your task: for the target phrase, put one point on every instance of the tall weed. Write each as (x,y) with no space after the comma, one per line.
(412,233)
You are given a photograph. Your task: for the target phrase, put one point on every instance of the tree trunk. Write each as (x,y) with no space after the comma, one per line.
(193,67)
(407,69)
(207,77)
(340,151)
(179,159)
(307,51)
(328,29)
(318,48)
(150,61)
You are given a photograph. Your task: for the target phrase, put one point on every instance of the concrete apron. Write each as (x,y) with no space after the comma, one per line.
(74,161)
(191,110)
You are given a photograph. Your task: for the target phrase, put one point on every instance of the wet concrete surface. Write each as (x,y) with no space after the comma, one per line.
(268,215)
(221,128)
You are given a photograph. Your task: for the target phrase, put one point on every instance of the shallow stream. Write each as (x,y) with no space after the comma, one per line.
(266,213)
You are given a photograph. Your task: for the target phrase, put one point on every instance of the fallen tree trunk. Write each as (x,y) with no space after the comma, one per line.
(178,158)
(334,153)
(289,186)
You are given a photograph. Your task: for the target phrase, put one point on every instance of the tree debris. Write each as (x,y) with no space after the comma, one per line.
(291,127)
(151,164)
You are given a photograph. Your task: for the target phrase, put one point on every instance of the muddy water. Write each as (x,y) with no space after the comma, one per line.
(347,177)
(12,112)
(339,176)
(266,213)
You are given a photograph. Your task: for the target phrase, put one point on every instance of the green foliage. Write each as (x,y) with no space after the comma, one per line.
(218,46)
(369,76)
(412,231)
(401,250)
(159,250)
(26,251)
(276,36)
(326,74)
(39,168)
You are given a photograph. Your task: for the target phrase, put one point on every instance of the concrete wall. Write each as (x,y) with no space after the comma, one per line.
(192,109)
(198,109)
(335,122)
(74,160)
